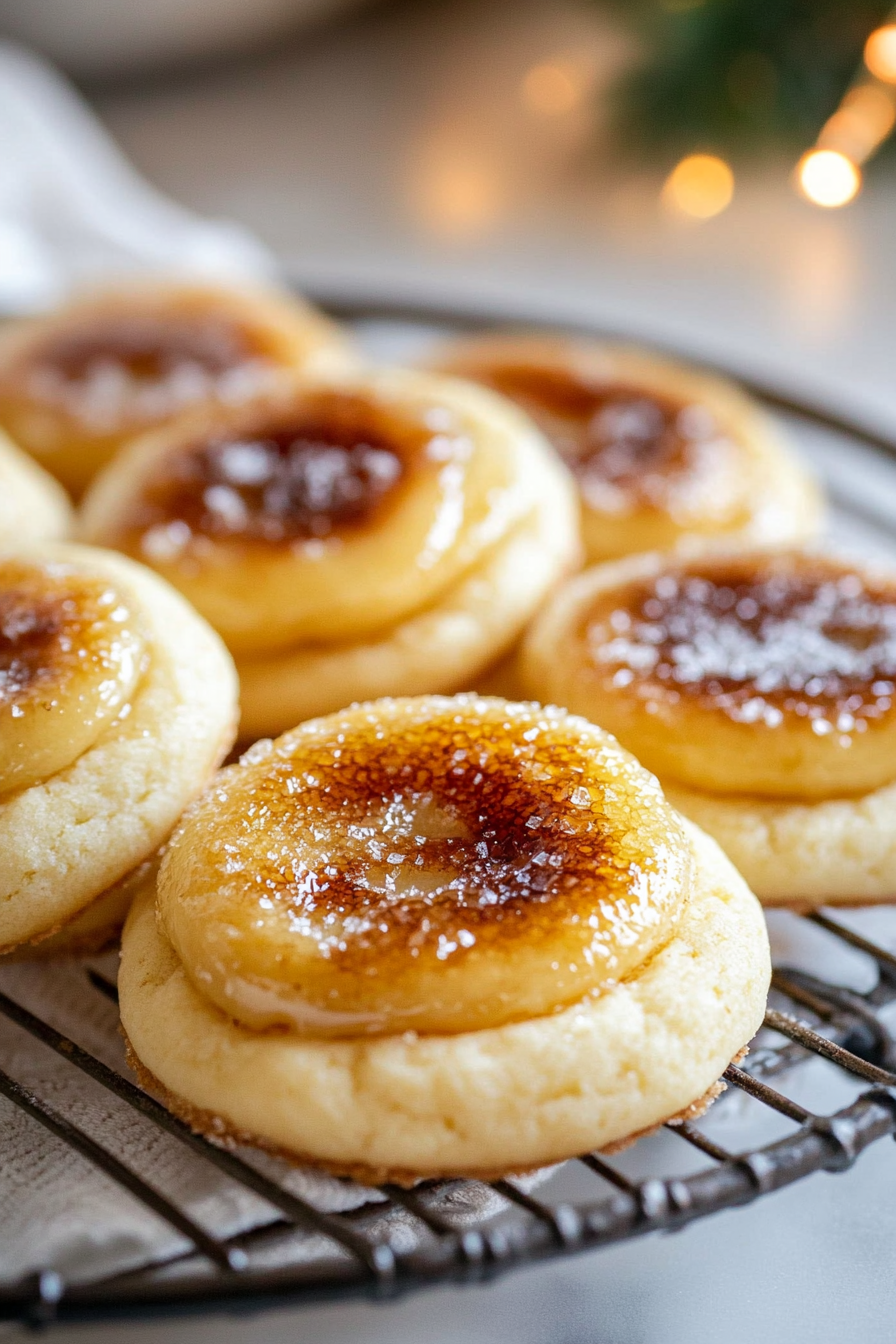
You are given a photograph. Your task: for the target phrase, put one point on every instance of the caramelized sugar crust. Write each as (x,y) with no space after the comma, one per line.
(76,384)
(148,347)
(70,656)
(609,436)
(437,864)
(111,374)
(760,674)
(333,465)
(330,509)
(628,446)
(793,641)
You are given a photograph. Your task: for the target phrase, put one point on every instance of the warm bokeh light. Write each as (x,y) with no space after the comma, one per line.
(700,186)
(828,178)
(864,119)
(880,53)
(552,88)
(457,196)
(876,105)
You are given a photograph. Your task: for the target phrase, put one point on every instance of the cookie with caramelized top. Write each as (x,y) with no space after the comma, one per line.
(376,533)
(760,688)
(662,453)
(78,383)
(439,936)
(116,703)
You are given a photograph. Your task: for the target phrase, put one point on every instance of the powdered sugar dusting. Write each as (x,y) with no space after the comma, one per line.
(642,449)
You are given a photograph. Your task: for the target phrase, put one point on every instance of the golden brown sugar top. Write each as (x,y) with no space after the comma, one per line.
(53,622)
(441,864)
(109,368)
(70,655)
(625,445)
(328,509)
(328,467)
(150,347)
(774,641)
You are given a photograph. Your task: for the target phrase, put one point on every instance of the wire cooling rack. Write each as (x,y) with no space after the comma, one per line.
(414,1238)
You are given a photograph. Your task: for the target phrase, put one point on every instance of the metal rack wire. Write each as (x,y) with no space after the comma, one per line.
(362,1253)
(359,1253)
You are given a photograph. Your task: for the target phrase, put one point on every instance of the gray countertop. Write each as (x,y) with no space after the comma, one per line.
(811,1265)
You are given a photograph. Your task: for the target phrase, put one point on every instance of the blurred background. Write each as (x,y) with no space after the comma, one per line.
(714,173)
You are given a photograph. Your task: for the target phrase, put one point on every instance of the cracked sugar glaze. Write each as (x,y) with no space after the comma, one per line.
(76,384)
(127,369)
(437,865)
(71,653)
(630,446)
(329,467)
(796,652)
(329,511)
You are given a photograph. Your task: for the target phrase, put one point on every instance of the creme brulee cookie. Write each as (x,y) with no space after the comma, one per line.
(370,534)
(661,452)
(760,688)
(439,936)
(116,703)
(78,383)
(33,507)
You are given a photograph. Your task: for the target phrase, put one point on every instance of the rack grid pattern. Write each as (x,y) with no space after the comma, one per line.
(361,1255)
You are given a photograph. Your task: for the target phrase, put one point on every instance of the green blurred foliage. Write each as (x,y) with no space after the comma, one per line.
(737,76)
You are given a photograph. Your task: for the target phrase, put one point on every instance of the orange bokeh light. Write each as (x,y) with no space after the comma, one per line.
(864,119)
(552,88)
(880,53)
(457,196)
(828,178)
(699,187)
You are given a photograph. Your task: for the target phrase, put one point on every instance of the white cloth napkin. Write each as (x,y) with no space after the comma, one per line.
(74,211)
(59,1212)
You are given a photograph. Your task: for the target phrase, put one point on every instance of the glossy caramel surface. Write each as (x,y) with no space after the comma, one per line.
(107,372)
(628,446)
(435,864)
(70,655)
(150,347)
(77,383)
(612,436)
(798,640)
(326,511)
(796,652)
(328,467)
